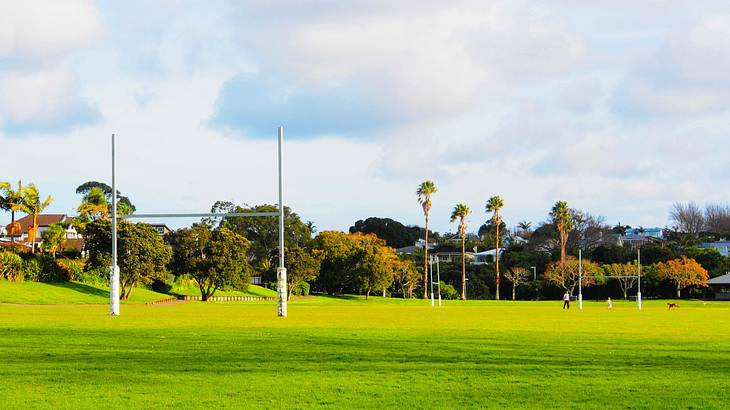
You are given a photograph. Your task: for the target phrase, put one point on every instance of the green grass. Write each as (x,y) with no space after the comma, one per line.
(349,353)
(36,293)
(253,290)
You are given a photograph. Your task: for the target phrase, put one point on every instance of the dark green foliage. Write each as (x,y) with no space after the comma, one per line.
(302,266)
(11,266)
(449,292)
(142,254)
(264,232)
(655,253)
(300,289)
(215,259)
(710,259)
(394,233)
(124,204)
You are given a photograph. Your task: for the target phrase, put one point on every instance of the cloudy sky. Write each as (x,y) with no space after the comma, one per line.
(619,110)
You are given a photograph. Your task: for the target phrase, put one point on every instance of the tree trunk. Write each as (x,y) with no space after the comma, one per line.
(563,241)
(12,221)
(679,294)
(425,264)
(514,286)
(463,270)
(496,260)
(367,294)
(625,294)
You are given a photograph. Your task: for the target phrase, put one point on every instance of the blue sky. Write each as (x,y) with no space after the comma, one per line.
(621,110)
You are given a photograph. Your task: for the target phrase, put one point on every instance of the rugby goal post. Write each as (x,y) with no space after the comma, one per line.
(281,287)
(580,279)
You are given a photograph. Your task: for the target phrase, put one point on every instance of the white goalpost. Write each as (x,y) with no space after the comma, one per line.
(438,278)
(580,279)
(281,287)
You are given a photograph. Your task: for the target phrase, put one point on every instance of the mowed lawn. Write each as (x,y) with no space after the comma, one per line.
(348,353)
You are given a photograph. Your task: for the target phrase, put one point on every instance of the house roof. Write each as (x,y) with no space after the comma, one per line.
(43,220)
(720,280)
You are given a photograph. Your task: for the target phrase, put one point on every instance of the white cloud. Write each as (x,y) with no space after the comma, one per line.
(40,29)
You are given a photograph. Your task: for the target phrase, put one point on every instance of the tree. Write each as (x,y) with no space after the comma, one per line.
(142,254)
(687,217)
(124,205)
(264,233)
(566,274)
(625,273)
(563,222)
(460,213)
(375,268)
(11,200)
(216,259)
(424,192)
(94,205)
(406,276)
(302,266)
(495,205)
(524,228)
(53,238)
(394,233)
(717,218)
(683,272)
(516,275)
(33,206)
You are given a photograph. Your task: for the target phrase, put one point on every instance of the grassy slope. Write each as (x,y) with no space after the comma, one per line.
(253,290)
(66,293)
(380,353)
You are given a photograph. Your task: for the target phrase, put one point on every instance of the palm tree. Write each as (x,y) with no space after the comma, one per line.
(524,227)
(563,222)
(33,206)
(424,192)
(461,212)
(12,201)
(494,205)
(94,205)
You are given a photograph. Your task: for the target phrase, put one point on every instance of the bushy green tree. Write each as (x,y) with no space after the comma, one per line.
(216,259)
(11,266)
(302,265)
(142,254)
(53,238)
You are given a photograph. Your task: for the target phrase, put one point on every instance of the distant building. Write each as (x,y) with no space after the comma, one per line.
(485,257)
(721,286)
(637,237)
(722,246)
(657,233)
(161,229)
(453,256)
(43,221)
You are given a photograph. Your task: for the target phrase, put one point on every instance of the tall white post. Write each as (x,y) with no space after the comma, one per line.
(438,279)
(430,264)
(114,272)
(638,294)
(281,270)
(580,279)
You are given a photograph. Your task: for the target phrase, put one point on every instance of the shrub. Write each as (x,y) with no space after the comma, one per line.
(11,266)
(448,291)
(51,270)
(98,277)
(300,289)
(32,270)
(72,268)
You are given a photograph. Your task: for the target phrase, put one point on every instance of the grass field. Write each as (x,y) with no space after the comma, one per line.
(348,353)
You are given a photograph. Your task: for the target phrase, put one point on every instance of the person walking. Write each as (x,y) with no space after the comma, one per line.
(566,300)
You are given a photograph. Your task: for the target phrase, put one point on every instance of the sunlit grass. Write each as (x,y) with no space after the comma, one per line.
(383,353)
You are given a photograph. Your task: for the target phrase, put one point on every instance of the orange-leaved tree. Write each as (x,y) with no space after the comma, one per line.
(683,272)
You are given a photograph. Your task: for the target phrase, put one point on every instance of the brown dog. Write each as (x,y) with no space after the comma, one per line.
(673,305)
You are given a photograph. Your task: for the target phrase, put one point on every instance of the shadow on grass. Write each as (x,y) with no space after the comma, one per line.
(82,288)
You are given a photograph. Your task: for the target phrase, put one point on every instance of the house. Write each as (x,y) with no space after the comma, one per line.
(721,246)
(638,237)
(485,257)
(44,221)
(721,286)
(448,257)
(161,229)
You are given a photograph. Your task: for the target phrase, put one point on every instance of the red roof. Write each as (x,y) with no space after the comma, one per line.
(43,221)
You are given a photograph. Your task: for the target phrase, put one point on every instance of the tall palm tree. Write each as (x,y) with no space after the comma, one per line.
(12,201)
(524,227)
(424,192)
(495,205)
(33,206)
(461,212)
(94,205)
(563,222)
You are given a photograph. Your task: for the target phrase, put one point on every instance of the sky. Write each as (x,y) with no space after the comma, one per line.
(619,110)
